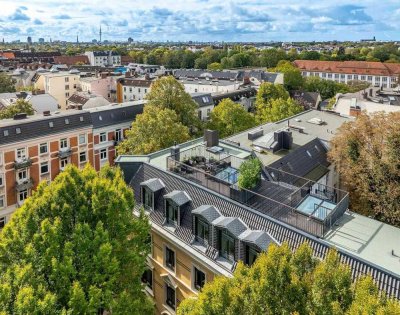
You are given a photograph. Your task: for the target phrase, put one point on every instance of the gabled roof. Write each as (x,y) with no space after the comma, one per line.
(210,213)
(234,225)
(259,238)
(178,197)
(154,184)
(114,114)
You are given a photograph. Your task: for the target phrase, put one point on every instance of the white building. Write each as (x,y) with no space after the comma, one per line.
(103,58)
(132,89)
(209,86)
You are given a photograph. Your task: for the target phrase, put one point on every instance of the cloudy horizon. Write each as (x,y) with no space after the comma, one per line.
(200,20)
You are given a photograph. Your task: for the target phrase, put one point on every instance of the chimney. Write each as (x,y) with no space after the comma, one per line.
(211,137)
(127,74)
(175,152)
(104,75)
(46,113)
(370,92)
(147,76)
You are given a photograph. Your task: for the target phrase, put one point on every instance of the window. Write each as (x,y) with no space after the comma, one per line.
(118,135)
(251,255)
(44,168)
(147,278)
(63,163)
(147,198)
(67,121)
(22,175)
(201,229)
(171,212)
(1,205)
(103,137)
(103,154)
(169,258)
(82,157)
(124,88)
(199,279)
(66,80)
(1,179)
(308,153)
(43,148)
(21,153)
(170,296)
(17,130)
(22,195)
(227,245)
(67,94)
(82,138)
(63,143)
(51,125)
(2,219)
(67,87)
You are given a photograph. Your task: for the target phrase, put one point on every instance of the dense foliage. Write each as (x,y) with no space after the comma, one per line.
(168,93)
(155,129)
(249,173)
(20,106)
(293,79)
(230,118)
(6,83)
(366,153)
(75,247)
(282,282)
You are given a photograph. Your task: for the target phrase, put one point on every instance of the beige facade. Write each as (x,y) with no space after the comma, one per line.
(60,85)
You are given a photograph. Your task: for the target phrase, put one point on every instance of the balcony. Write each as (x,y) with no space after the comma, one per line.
(22,163)
(24,184)
(64,152)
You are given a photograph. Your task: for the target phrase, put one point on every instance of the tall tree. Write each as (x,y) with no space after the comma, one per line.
(277,109)
(168,93)
(282,282)
(268,92)
(20,106)
(75,247)
(229,118)
(7,84)
(155,129)
(292,76)
(366,153)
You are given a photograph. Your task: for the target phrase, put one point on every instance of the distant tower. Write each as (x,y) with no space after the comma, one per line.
(77,39)
(100,34)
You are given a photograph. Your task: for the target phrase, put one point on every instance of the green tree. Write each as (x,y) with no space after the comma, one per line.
(249,173)
(268,92)
(155,129)
(20,106)
(284,282)
(7,84)
(75,247)
(229,118)
(366,154)
(215,66)
(277,109)
(168,93)
(269,58)
(292,76)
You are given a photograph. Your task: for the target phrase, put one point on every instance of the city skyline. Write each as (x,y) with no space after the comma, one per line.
(199,20)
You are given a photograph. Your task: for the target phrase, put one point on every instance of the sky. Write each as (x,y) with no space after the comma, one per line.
(200,20)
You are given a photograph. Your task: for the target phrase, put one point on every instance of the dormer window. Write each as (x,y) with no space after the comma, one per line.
(226,245)
(255,242)
(175,203)
(251,254)
(148,198)
(149,190)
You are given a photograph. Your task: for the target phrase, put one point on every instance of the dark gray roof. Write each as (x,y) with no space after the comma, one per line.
(203,99)
(111,115)
(154,184)
(259,238)
(178,197)
(210,213)
(300,162)
(234,225)
(42,126)
(281,232)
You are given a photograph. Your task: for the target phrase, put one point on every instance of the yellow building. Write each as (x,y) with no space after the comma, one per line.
(59,84)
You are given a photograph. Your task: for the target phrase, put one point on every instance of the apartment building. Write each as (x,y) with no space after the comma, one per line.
(202,225)
(133,89)
(59,84)
(103,58)
(37,148)
(377,74)
(103,85)
(205,104)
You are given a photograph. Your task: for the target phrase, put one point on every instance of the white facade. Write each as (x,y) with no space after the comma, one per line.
(103,58)
(374,80)
(205,86)
(134,93)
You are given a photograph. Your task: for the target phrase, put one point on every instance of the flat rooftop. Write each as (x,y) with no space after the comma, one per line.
(369,239)
(305,127)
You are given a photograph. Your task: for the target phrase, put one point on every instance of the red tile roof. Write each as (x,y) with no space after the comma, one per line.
(349,67)
(71,60)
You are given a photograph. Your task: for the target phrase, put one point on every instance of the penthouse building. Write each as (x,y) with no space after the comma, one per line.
(37,148)
(377,74)
(202,224)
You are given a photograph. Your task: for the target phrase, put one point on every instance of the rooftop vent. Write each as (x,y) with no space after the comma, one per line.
(316,121)
(46,113)
(20,116)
